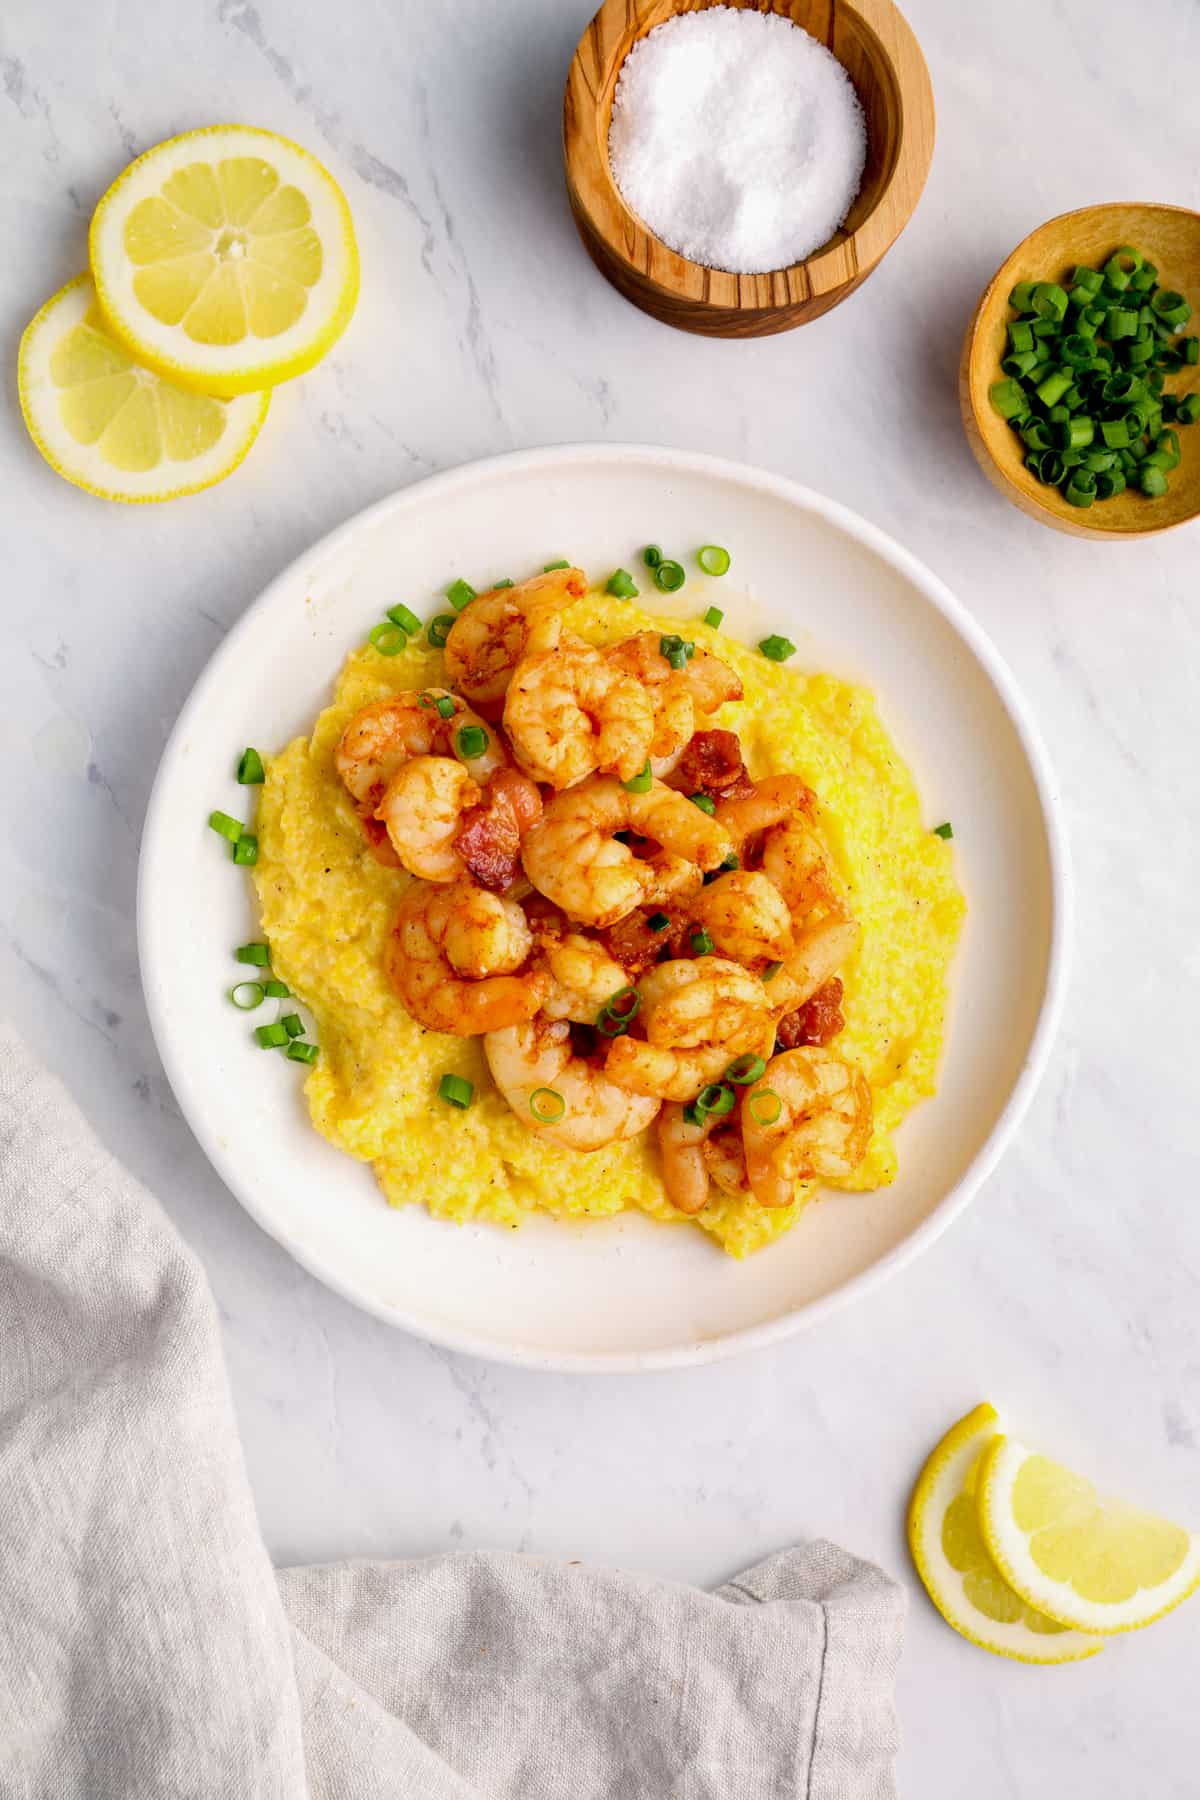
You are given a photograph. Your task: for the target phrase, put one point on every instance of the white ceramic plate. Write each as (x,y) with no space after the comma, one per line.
(622,1293)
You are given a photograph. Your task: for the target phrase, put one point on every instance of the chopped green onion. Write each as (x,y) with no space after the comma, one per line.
(250,771)
(766,1108)
(1021,296)
(549,568)
(293,1024)
(1081,489)
(271,1037)
(1189,349)
(460,593)
(405,618)
(745,1069)
(1122,322)
(1076,433)
(1171,308)
(675,651)
(471,742)
(771,971)
(1008,397)
(776,648)
(258,954)
(247,995)
(455,1090)
(1051,390)
(245,851)
(704,803)
(669,576)
(715,1101)
(1188,410)
(658,921)
(387,638)
(1020,362)
(714,615)
(277,990)
(305,1053)
(1088,280)
(444,706)
(497,585)
(1020,335)
(652,555)
(1110,483)
(701,943)
(226,827)
(547,1105)
(439,629)
(1152,482)
(1049,300)
(714,559)
(944,831)
(622,585)
(640,784)
(1115,433)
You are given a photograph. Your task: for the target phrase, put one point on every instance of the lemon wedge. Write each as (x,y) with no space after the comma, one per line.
(1091,1562)
(953,1562)
(116,428)
(225,259)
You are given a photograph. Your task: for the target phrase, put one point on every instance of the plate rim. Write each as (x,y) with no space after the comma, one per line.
(723,1345)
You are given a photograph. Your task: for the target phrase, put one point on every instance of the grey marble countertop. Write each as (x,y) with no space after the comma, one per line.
(1070,1292)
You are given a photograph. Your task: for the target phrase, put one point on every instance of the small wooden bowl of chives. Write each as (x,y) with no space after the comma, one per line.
(875,45)
(1170,237)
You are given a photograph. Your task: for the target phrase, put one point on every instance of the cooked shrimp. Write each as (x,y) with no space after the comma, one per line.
(822,1130)
(538,1056)
(573,857)
(746,916)
(492,634)
(582,975)
(489,837)
(725,1159)
(422,809)
(818,954)
(698,1017)
(778,820)
(570,714)
(457,957)
(676,695)
(695,1155)
(379,740)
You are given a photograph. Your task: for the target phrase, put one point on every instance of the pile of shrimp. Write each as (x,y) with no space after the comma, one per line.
(641,934)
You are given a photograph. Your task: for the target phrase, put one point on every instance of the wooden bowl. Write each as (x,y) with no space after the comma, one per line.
(1170,237)
(875,46)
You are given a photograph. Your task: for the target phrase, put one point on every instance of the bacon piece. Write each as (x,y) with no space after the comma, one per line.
(489,838)
(816,1022)
(712,764)
(632,943)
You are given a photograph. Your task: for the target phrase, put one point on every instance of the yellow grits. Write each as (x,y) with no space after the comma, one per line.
(327,906)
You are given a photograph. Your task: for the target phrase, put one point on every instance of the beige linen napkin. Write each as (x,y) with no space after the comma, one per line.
(148,1650)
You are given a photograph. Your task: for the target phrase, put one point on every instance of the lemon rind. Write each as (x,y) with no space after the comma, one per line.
(265,372)
(997,1473)
(938,1483)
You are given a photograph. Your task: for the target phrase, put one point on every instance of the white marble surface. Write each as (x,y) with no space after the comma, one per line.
(1071,1290)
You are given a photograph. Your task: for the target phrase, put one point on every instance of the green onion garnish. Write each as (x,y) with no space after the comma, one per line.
(669,576)
(471,741)
(277,990)
(1152,482)
(745,1069)
(1188,410)
(771,971)
(944,831)
(766,1108)
(549,568)
(293,1024)
(245,851)
(298,1052)
(258,954)
(547,1105)
(618,1012)
(439,629)
(225,827)
(387,638)
(640,784)
(460,593)
(455,1090)
(776,648)
(271,1037)
(658,921)
(713,617)
(717,1099)
(676,650)
(1171,308)
(713,559)
(652,555)
(250,771)
(247,995)
(622,585)
(704,803)
(405,618)
(701,943)
(445,706)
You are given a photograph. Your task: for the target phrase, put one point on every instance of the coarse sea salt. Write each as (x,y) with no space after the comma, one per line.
(737,138)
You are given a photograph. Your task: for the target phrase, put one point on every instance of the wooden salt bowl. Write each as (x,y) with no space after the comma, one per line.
(876,47)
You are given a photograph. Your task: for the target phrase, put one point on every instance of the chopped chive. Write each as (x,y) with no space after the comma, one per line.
(658,921)
(1022,295)
(305,1053)
(1188,410)
(714,559)
(247,995)
(250,771)
(746,1069)
(766,1108)
(258,954)
(549,568)
(1081,489)
(497,585)
(675,650)
(622,585)
(225,827)
(456,1091)
(701,943)
(271,1037)
(439,629)
(293,1024)
(944,831)
(704,803)
(460,593)
(618,1012)
(1152,482)
(277,990)
(444,706)
(669,576)
(245,851)
(387,638)
(1049,300)
(640,784)
(776,648)
(1171,308)
(714,1101)
(771,971)
(405,618)
(652,555)
(547,1105)
(471,742)
(713,617)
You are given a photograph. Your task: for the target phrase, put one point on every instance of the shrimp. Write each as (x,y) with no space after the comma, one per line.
(822,1130)
(779,819)
(583,977)
(569,714)
(698,1017)
(696,1154)
(676,695)
(746,916)
(572,855)
(489,837)
(422,809)
(457,958)
(538,1056)
(818,954)
(381,738)
(492,634)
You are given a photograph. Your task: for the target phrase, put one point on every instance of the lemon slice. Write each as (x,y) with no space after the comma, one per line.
(952,1559)
(1089,1561)
(116,428)
(225,258)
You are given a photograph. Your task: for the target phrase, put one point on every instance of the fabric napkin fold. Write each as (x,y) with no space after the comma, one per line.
(148,1650)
